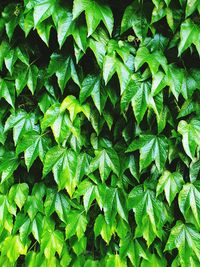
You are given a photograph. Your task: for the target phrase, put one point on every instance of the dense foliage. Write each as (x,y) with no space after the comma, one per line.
(99,133)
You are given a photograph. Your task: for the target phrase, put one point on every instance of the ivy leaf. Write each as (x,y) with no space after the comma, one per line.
(7,92)
(189,203)
(152,148)
(65,167)
(13,248)
(190,136)
(101,227)
(113,200)
(154,60)
(57,202)
(185,238)
(105,160)
(74,107)
(7,209)
(42,10)
(133,18)
(76,224)
(154,260)
(10,60)
(99,50)
(171,183)
(64,69)
(88,190)
(102,13)
(194,170)
(137,93)
(4,50)
(33,206)
(189,34)
(25,230)
(115,260)
(19,193)
(28,23)
(21,78)
(21,122)
(175,79)
(63,22)
(91,86)
(79,33)
(191,6)
(43,30)
(33,145)
(133,250)
(59,123)
(52,242)
(8,166)
(158,82)
(148,213)
(37,227)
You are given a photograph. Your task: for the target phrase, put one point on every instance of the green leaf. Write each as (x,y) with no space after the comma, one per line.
(189,203)
(64,163)
(60,124)
(74,107)
(191,6)
(4,50)
(57,202)
(52,242)
(190,136)
(99,50)
(11,21)
(171,183)
(189,34)
(13,248)
(133,250)
(88,190)
(7,209)
(28,23)
(21,122)
(8,166)
(148,213)
(137,93)
(154,60)
(175,79)
(63,22)
(91,86)
(7,91)
(33,145)
(21,79)
(194,170)
(109,67)
(10,60)
(42,10)
(115,260)
(64,69)
(37,227)
(186,239)
(102,13)
(152,148)
(19,193)
(154,260)
(32,206)
(106,160)
(104,229)
(135,19)
(79,33)
(158,82)
(76,224)
(43,30)
(113,202)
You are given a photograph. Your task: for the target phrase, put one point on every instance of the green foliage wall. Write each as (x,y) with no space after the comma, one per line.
(99,133)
